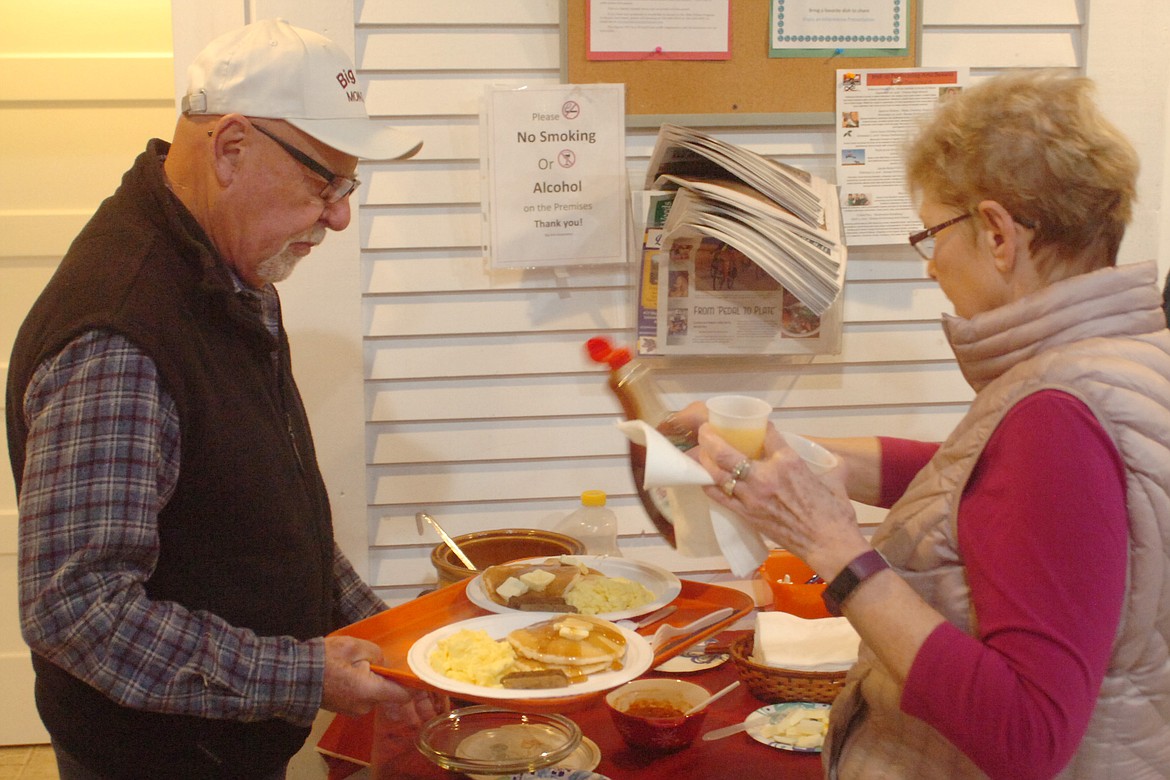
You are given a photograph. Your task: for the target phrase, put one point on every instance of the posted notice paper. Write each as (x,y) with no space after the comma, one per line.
(878,111)
(556,176)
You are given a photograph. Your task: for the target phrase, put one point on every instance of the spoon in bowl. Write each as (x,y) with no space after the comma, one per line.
(447,540)
(711,698)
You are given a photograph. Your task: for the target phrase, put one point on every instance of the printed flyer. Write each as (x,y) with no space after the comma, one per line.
(878,111)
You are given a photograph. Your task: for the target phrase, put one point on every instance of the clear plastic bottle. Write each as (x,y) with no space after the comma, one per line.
(593,523)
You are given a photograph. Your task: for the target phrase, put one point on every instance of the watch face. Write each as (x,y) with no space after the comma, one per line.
(839,589)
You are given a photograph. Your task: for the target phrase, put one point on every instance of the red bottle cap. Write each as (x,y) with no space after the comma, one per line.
(601,350)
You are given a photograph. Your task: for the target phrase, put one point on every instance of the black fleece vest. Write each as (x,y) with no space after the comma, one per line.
(247,534)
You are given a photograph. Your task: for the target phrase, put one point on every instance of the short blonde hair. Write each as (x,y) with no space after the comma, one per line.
(1036,143)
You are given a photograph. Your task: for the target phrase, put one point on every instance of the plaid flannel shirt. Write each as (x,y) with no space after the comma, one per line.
(102,460)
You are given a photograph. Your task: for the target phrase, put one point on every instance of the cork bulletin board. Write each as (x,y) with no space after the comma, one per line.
(748,88)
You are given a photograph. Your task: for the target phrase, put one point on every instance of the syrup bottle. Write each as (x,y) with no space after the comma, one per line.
(632,381)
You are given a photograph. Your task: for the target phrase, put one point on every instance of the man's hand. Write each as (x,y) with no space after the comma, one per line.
(350,687)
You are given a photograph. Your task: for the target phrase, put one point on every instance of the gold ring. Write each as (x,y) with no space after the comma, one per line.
(729,487)
(741,469)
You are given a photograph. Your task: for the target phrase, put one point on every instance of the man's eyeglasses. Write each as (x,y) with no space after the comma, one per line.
(923,240)
(338,188)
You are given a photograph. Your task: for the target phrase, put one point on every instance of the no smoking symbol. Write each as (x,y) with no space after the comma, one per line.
(570,110)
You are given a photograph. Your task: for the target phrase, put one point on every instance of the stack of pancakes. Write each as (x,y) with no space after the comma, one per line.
(574,646)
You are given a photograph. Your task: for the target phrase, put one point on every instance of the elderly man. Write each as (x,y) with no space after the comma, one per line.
(177,563)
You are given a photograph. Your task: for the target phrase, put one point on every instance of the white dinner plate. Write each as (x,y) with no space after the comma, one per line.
(663,584)
(772,714)
(694,659)
(638,658)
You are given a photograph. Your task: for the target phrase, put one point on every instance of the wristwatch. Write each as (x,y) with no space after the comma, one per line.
(858,571)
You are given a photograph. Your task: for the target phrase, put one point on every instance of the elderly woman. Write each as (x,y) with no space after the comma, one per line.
(1014,606)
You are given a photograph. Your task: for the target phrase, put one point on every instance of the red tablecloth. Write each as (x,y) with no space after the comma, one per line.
(738,756)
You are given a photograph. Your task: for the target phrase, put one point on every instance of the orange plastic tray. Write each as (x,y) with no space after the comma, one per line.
(396,629)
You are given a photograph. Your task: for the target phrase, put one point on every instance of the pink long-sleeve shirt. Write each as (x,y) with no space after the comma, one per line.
(1043,531)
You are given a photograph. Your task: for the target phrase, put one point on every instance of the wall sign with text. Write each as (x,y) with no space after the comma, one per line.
(554,159)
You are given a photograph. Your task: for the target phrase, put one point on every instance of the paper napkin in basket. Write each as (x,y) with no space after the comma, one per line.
(817,645)
(701,528)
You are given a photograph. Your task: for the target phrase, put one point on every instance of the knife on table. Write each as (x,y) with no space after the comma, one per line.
(672,636)
(655,616)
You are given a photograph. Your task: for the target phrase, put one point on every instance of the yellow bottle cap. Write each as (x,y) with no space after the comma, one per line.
(593,498)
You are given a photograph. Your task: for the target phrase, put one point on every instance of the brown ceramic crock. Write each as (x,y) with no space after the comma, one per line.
(488,548)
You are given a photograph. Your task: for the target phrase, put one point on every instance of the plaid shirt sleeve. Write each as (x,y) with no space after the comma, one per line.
(354,598)
(102,460)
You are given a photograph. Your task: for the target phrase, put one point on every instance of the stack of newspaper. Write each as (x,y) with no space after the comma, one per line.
(786,221)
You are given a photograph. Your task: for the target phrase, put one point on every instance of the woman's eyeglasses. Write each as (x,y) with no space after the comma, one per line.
(923,240)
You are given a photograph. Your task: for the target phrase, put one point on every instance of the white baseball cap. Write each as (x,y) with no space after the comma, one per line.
(270,69)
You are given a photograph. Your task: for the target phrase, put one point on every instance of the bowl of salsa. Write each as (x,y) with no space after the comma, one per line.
(650,714)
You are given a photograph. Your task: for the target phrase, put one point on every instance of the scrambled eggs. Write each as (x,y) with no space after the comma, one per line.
(593,595)
(472,656)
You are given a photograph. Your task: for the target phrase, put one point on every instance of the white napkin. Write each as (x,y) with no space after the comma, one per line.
(701,528)
(818,645)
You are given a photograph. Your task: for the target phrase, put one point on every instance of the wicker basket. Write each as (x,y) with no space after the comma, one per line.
(770,684)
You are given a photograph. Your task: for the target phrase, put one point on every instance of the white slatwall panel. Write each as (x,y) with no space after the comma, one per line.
(481,405)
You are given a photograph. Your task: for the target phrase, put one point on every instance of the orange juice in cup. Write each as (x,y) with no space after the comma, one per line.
(741,421)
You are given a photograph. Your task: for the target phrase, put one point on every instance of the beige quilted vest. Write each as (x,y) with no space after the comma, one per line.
(1101,337)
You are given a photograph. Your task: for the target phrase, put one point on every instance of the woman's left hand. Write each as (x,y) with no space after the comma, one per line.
(808,515)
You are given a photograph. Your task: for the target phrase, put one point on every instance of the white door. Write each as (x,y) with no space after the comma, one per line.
(19,724)
(68,67)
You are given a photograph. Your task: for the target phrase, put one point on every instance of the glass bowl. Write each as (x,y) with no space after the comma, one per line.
(489,740)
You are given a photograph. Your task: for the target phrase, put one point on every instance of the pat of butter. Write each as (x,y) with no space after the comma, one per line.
(538,579)
(512,587)
(799,728)
(570,628)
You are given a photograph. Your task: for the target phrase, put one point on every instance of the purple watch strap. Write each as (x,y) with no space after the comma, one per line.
(858,571)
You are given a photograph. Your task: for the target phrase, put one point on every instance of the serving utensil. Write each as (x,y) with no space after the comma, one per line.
(713,697)
(670,635)
(447,540)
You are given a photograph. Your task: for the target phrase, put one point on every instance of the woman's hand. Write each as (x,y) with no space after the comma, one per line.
(682,427)
(811,517)
(808,515)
